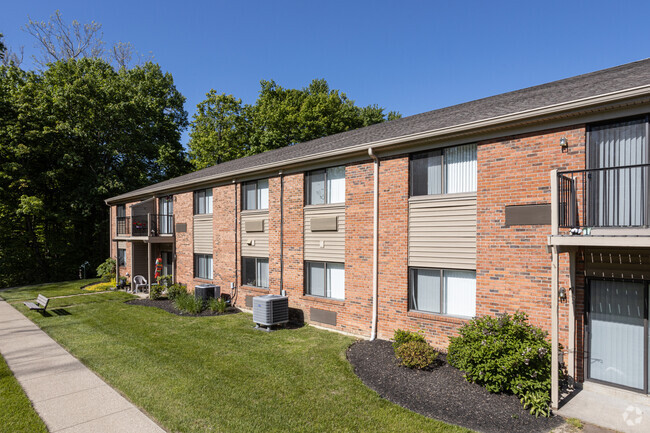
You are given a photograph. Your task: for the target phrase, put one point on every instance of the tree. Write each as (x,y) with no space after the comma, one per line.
(8,56)
(224,129)
(72,135)
(58,40)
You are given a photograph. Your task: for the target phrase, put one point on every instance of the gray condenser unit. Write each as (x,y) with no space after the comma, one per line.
(269,310)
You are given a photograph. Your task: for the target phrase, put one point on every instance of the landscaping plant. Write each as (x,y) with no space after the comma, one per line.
(156,291)
(506,354)
(175,290)
(187,303)
(416,354)
(106,271)
(217,304)
(400,337)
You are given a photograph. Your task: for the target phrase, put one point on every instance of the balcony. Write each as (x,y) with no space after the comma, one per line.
(149,226)
(601,206)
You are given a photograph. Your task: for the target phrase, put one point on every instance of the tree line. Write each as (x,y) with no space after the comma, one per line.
(91,123)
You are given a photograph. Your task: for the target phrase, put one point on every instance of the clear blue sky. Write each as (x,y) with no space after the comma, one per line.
(409,56)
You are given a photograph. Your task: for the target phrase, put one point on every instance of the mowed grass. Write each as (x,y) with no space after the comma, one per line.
(16,412)
(218,374)
(26,293)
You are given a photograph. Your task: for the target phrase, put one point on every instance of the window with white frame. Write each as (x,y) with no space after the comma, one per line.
(203,201)
(444,171)
(203,266)
(255,195)
(325,186)
(121,257)
(443,291)
(325,279)
(255,271)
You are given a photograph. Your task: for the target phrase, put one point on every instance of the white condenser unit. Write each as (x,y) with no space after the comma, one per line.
(269,310)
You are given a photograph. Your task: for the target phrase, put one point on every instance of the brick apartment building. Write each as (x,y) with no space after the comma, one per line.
(424,222)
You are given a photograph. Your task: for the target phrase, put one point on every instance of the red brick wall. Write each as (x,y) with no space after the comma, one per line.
(184,214)
(223,219)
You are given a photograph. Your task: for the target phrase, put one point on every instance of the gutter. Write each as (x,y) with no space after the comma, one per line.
(463,128)
(375,245)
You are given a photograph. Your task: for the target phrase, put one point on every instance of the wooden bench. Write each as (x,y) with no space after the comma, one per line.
(40,305)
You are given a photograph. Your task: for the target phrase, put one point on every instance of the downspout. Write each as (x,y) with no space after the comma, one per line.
(233,291)
(281,232)
(375,245)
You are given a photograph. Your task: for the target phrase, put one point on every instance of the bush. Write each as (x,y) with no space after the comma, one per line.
(156,291)
(165,280)
(416,354)
(506,354)
(400,337)
(175,290)
(187,303)
(106,271)
(217,304)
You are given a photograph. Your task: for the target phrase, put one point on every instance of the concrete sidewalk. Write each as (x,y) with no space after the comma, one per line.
(67,395)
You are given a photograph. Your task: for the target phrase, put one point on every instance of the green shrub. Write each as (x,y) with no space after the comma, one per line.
(156,291)
(400,337)
(416,354)
(506,354)
(175,290)
(187,303)
(106,271)
(165,280)
(217,304)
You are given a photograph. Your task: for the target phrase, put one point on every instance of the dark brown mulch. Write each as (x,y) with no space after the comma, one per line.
(168,305)
(442,393)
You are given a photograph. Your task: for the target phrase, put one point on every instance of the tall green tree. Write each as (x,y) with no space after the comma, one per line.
(71,136)
(224,129)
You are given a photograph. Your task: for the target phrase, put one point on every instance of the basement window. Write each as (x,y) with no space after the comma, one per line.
(443,291)
(255,272)
(325,279)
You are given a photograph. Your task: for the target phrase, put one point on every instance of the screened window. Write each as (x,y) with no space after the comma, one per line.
(255,195)
(255,272)
(121,211)
(121,257)
(443,291)
(445,171)
(203,201)
(326,186)
(325,279)
(203,266)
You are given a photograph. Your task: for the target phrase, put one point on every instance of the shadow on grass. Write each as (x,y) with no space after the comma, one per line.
(55,312)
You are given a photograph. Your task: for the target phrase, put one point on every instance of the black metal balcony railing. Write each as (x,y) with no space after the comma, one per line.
(146,225)
(605,197)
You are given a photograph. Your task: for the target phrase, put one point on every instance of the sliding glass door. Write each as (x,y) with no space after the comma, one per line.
(618,333)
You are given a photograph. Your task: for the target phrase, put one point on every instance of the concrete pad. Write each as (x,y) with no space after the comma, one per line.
(60,384)
(609,408)
(43,367)
(80,407)
(127,421)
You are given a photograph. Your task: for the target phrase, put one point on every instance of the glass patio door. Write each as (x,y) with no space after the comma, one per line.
(617,333)
(167,263)
(166,210)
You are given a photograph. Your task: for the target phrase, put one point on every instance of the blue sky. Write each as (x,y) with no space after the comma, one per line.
(408,56)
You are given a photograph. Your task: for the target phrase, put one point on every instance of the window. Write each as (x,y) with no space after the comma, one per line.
(121,211)
(203,266)
(445,171)
(166,211)
(203,202)
(325,279)
(121,257)
(255,272)
(325,186)
(255,195)
(448,291)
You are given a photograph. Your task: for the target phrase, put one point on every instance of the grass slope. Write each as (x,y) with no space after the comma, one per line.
(218,374)
(16,412)
(26,293)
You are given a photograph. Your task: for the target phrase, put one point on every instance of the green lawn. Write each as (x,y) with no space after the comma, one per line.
(16,412)
(218,374)
(48,290)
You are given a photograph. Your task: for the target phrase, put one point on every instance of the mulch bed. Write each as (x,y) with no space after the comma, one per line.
(168,305)
(442,393)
